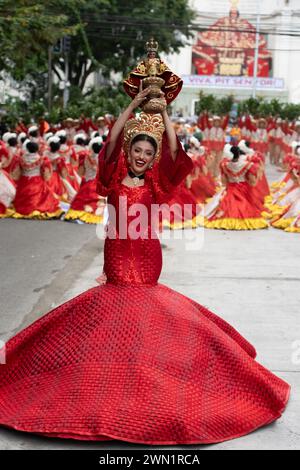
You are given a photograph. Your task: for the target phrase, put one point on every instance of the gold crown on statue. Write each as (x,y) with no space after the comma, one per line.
(234,3)
(149,124)
(151,45)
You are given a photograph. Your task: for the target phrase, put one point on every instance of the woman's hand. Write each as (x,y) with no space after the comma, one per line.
(163,99)
(139,98)
(122,119)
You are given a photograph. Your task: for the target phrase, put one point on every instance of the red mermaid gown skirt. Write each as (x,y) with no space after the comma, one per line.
(33,194)
(136,361)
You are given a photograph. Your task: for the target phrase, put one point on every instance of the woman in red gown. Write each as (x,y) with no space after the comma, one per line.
(201,182)
(9,155)
(260,191)
(34,199)
(7,193)
(87,205)
(57,167)
(133,359)
(237,207)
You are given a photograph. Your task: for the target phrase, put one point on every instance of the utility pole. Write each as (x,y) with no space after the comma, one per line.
(49,79)
(255,68)
(66,82)
(66,50)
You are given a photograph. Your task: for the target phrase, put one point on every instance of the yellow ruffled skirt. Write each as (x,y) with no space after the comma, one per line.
(86,217)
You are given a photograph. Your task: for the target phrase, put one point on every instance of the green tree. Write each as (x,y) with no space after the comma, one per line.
(112,34)
(224,104)
(27,29)
(106,35)
(206,103)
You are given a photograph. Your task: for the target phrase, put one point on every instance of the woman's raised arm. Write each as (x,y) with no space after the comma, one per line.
(171,134)
(122,119)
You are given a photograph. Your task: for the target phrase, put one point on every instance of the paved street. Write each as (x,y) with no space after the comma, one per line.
(251,279)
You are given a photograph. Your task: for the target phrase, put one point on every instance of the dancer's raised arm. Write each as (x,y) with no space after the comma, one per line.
(123,118)
(171,134)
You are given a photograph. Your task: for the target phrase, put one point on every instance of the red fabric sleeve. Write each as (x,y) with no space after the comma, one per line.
(93,125)
(170,171)
(46,163)
(108,167)
(225,122)
(3,150)
(61,164)
(255,159)
(223,164)
(201,161)
(253,169)
(80,157)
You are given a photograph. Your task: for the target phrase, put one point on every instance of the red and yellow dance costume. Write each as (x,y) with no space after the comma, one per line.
(7,185)
(260,140)
(34,199)
(87,205)
(260,191)
(9,159)
(185,211)
(286,206)
(55,164)
(237,207)
(214,138)
(71,177)
(7,193)
(133,359)
(201,182)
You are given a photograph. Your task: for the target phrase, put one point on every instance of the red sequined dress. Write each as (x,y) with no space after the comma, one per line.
(133,359)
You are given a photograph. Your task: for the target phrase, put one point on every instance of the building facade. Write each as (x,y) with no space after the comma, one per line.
(236,41)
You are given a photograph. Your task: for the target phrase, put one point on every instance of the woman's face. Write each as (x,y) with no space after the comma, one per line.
(142,154)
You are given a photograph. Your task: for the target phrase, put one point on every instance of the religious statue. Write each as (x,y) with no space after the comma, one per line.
(228,48)
(154,73)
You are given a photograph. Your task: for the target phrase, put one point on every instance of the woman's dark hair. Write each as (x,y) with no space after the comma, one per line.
(63,139)
(33,133)
(96,147)
(236,152)
(54,146)
(23,139)
(104,137)
(12,141)
(32,147)
(144,138)
(80,141)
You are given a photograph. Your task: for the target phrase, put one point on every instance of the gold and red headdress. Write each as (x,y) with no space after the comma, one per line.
(149,124)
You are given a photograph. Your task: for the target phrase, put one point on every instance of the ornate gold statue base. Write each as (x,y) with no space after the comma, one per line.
(155,102)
